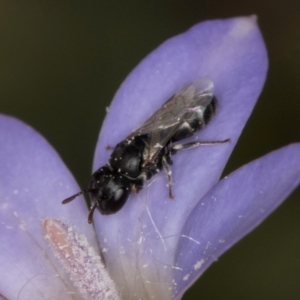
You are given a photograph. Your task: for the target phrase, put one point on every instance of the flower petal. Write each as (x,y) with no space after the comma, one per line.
(230,52)
(33,182)
(231,209)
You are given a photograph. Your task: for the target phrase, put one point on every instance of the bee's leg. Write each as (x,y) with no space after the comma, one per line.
(138,183)
(169,174)
(174,149)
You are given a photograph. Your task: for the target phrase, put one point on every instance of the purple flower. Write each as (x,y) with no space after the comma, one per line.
(154,248)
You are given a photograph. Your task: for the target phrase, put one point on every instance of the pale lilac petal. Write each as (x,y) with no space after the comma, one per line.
(33,183)
(231,209)
(139,253)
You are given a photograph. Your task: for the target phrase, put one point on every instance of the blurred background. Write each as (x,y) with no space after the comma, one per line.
(62,62)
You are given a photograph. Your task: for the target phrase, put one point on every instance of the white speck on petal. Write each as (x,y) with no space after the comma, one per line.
(80,260)
(4,205)
(22,225)
(186,277)
(198,264)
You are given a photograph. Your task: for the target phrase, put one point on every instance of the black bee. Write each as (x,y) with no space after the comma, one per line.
(148,149)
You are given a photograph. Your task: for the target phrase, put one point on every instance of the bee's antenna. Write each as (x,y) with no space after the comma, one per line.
(90,217)
(67,200)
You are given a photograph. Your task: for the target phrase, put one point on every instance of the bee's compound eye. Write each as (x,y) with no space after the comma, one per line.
(118,200)
(118,194)
(113,204)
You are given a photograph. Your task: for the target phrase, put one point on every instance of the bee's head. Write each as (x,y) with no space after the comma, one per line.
(108,191)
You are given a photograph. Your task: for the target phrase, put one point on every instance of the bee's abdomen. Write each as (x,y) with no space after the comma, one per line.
(195,122)
(210,110)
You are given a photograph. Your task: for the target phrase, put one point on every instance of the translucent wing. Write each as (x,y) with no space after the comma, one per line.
(162,125)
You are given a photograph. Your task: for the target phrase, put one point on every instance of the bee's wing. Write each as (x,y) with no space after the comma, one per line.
(163,124)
